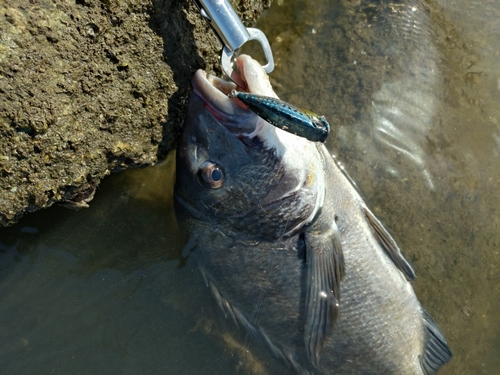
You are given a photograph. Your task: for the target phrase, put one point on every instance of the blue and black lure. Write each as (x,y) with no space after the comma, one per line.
(285,116)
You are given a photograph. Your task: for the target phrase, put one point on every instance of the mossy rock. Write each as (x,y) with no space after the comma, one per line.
(90,87)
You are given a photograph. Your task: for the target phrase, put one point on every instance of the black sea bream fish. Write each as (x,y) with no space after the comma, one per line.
(288,246)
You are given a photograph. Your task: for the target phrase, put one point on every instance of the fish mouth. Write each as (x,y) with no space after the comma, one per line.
(230,112)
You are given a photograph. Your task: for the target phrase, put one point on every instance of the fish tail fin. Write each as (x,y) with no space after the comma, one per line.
(436,351)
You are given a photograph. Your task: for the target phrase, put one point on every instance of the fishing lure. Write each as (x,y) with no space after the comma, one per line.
(286,116)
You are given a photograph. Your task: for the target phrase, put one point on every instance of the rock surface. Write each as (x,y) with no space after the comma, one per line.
(89,87)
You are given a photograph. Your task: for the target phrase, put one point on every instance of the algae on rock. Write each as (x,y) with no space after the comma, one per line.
(88,87)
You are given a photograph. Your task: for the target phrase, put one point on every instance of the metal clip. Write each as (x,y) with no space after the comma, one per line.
(232,33)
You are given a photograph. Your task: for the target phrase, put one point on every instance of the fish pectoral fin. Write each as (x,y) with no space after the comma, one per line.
(436,350)
(325,270)
(189,247)
(389,245)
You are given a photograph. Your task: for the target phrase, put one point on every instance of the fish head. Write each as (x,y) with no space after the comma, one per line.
(237,172)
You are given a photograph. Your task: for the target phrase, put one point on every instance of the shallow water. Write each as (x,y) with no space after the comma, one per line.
(412,92)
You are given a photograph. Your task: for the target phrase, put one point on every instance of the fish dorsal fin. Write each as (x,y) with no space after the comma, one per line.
(436,351)
(389,245)
(325,270)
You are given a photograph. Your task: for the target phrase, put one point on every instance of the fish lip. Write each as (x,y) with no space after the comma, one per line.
(231,113)
(207,84)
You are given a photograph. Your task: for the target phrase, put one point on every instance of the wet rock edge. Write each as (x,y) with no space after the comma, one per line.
(91,87)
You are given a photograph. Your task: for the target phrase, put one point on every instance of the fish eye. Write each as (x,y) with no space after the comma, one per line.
(211,175)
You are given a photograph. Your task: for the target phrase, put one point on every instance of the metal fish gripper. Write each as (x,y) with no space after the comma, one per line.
(232,33)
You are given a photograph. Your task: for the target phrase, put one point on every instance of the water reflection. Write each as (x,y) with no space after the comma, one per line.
(100,291)
(411,90)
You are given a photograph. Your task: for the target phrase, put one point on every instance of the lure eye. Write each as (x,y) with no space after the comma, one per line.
(211,175)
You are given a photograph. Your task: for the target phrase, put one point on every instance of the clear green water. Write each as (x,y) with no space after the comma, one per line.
(412,93)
